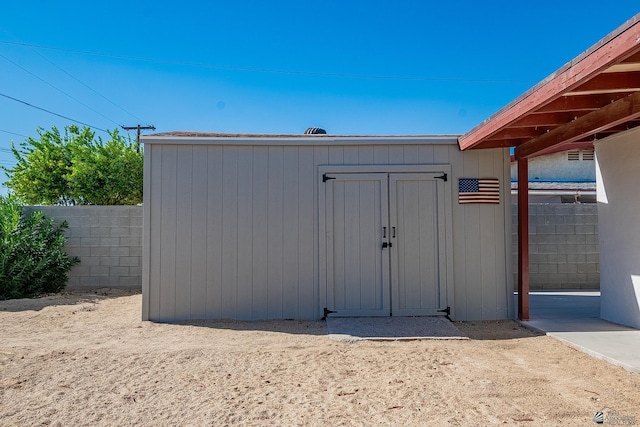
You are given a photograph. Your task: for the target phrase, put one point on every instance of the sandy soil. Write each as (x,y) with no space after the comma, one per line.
(88,359)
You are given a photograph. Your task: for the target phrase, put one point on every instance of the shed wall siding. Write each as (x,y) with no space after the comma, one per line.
(617,177)
(231,231)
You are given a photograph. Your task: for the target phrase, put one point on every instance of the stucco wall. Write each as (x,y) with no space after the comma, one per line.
(617,177)
(556,167)
(108,241)
(563,246)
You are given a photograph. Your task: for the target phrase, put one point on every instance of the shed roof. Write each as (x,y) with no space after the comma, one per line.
(194,137)
(593,96)
(188,133)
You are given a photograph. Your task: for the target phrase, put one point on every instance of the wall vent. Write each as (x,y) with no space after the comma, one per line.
(588,155)
(573,155)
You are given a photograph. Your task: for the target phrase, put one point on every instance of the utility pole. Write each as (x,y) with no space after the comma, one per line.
(138,128)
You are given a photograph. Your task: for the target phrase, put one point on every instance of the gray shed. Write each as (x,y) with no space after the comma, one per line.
(298,226)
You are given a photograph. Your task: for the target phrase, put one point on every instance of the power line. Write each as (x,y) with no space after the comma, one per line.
(267,70)
(58,89)
(13,133)
(87,86)
(51,112)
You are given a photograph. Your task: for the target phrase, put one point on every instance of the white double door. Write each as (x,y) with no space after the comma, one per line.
(385,244)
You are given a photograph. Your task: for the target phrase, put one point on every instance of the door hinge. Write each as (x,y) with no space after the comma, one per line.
(326,178)
(442,177)
(326,313)
(447,312)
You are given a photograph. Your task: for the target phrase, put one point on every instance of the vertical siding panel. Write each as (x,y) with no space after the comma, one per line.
(146,235)
(184,169)
(411,154)
(489,234)
(365,155)
(336,252)
(214,231)
(168,238)
(351,235)
(446,220)
(396,154)
(275,233)
(459,239)
(425,154)
(441,153)
(155,231)
(290,233)
(503,226)
(321,157)
(336,155)
(244,290)
(199,233)
(405,235)
(260,231)
(369,218)
(350,155)
(229,231)
(380,154)
(473,249)
(306,279)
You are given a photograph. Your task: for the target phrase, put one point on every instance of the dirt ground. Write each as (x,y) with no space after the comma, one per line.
(87,359)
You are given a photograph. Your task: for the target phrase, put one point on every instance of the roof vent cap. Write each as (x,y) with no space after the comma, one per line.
(315,131)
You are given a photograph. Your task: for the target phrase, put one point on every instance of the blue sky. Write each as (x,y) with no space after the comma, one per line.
(351,67)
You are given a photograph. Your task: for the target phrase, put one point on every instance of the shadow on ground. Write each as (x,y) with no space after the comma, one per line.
(294,327)
(495,330)
(63,298)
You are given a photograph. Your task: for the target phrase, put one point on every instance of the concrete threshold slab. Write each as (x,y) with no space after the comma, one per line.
(617,344)
(353,329)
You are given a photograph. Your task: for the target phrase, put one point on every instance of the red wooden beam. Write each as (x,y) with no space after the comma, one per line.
(546,120)
(619,45)
(577,103)
(524,133)
(618,112)
(635,58)
(501,143)
(611,82)
(523,239)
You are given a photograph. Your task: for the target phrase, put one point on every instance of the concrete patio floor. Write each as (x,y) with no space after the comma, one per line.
(573,317)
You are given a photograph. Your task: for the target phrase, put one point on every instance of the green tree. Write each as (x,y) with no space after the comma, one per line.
(76,168)
(109,173)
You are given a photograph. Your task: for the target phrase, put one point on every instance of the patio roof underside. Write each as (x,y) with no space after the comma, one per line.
(594,96)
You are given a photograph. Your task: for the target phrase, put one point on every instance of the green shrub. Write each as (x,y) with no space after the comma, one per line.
(32,261)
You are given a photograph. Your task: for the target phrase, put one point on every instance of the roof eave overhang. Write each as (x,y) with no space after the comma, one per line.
(610,99)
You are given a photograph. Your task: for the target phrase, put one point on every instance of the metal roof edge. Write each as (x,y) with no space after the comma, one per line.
(301,139)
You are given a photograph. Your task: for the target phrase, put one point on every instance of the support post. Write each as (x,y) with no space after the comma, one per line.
(523,239)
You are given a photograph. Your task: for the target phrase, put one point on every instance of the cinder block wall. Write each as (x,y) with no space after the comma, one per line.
(108,241)
(563,246)
(563,240)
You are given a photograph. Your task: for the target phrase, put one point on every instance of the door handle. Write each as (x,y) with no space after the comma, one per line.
(394,232)
(384,232)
